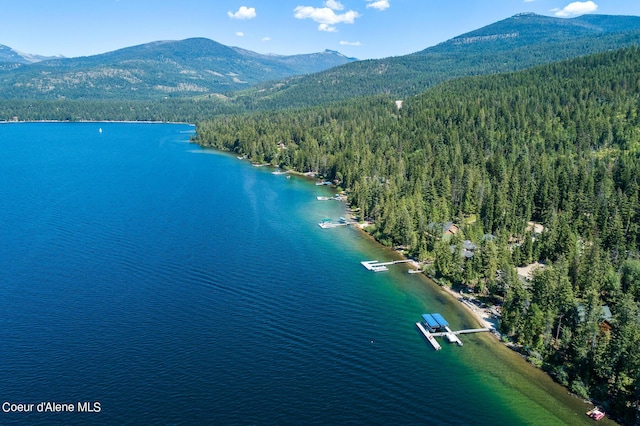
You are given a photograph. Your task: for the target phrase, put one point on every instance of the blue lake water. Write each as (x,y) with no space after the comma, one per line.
(172,284)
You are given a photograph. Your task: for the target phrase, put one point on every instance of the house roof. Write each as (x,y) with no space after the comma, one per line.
(443,227)
(469,245)
(604,316)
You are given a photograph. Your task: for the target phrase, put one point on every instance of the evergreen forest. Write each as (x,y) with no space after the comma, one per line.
(557,145)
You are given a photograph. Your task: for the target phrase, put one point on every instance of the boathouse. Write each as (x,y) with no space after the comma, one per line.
(435,325)
(430,322)
(441,321)
(434,322)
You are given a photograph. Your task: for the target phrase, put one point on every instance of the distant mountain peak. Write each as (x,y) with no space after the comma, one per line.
(336,53)
(8,54)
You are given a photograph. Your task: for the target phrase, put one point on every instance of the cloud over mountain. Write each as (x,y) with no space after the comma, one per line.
(576,8)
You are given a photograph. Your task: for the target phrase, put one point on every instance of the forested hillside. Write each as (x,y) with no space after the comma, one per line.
(558,144)
(234,79)
(188,110)
(157,70)
(515,43)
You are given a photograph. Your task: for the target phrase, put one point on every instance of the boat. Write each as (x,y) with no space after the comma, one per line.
(596,414)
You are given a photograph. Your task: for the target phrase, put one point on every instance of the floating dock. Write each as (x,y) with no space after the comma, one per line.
(375,266)
(429,336)
(327,223)
(435,325)
(336,197)
(452,338)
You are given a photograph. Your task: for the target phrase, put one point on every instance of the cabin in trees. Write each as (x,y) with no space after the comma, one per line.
(605,317)
(468,248)
(443,230)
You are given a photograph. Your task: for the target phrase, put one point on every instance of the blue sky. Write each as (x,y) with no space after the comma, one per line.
(360,28)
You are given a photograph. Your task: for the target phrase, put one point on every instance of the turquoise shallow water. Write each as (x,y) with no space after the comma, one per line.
(173,284)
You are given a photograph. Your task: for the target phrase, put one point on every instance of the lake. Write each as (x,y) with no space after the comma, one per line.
(144,279)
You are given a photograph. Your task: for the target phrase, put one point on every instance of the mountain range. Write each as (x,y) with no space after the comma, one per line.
(201,67)
(515,43)
(158,69)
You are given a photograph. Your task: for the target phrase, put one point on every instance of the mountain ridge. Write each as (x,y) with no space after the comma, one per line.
(538,26)
(518,42)
(198,67)
(156,69)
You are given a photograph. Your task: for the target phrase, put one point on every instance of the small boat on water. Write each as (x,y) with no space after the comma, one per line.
(596,414)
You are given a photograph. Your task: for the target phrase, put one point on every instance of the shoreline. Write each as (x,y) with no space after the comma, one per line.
(482,315)
(96,121)
(486,319)
(503,351)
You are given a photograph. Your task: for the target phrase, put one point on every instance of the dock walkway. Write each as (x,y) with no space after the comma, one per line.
(467,331)
(375,266)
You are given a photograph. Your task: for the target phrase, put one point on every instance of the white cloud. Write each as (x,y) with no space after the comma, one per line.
(327,28)
(350,43)
(243,13)
(529,1)
(240,34)
(334,4)
(326,16)
(576,8)
(378,4)
(266,38)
